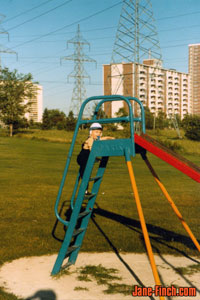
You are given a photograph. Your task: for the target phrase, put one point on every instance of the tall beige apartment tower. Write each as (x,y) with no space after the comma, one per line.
(194,72)
(159,89)
(36,108)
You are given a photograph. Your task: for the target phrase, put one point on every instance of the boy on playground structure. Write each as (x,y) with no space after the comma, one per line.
(95,133)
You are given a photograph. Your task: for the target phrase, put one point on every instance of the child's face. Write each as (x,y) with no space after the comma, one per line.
(96,133)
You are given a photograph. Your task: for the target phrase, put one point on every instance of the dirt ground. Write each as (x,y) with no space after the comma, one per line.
(30,277)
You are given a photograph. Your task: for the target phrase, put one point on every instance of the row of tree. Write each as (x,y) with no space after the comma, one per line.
(56,119)
(190,124)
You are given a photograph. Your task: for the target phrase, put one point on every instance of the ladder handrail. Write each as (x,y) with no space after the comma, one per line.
(125,119)
(80,122)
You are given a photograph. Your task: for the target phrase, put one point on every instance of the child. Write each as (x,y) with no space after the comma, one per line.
(95,133)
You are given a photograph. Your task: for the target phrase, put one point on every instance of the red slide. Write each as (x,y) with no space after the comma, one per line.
(168,156)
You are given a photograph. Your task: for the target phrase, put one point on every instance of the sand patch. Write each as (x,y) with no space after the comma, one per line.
(30,278)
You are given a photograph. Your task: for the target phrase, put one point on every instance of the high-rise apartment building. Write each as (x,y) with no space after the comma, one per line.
(194,72)
(157,88)
(36,108)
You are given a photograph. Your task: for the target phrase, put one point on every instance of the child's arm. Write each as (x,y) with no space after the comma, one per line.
(88,144)
(107,138)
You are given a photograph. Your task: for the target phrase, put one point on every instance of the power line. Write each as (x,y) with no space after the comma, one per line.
(102,29)
(38,16)
(178,16)
(26,11)
(179,28)
(66,26)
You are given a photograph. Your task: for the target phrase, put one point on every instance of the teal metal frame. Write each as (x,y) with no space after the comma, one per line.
(130,142)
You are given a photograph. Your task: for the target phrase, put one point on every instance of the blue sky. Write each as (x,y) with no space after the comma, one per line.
(39,29)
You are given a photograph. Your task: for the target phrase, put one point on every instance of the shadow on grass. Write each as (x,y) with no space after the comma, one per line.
(67,217)
(164,235)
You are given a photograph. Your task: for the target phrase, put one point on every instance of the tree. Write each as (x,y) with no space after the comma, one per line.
(149,118)
(161,120)
(101,113)
(191,125)
(16,94)
(46,124)
(53,118)
(70,121)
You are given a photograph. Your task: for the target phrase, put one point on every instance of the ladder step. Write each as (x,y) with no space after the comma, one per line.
(95,178)
(71,249)
(97,159)
(78,231)
(88,197)
(65,266)
(83,214)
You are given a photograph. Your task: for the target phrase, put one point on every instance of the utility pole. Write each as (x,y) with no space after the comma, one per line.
(79,73)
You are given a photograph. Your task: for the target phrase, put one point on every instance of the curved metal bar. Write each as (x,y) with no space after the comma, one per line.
(142,119)
(142,112)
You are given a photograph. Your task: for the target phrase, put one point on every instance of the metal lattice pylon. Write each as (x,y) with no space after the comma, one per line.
(79,73)
(136,37)
(2,48)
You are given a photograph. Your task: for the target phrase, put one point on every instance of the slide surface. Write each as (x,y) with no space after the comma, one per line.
(168,156)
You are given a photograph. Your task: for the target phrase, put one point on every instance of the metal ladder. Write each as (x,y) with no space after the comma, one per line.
(81,213)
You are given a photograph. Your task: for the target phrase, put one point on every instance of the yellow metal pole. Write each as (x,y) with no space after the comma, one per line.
(175,209)
(143,225)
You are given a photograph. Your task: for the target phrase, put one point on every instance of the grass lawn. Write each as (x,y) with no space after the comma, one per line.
(30,174)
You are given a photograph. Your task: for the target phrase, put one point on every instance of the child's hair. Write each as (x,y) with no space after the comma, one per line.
(95,126)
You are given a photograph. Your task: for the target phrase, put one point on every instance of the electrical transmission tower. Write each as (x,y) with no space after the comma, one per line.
(79,73)
(2,48)
(136,38)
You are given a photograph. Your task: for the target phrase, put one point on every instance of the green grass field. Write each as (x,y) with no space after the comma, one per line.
(30,173)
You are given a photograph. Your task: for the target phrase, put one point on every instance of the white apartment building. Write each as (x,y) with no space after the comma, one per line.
(157,88)
(36,108)
(194,71)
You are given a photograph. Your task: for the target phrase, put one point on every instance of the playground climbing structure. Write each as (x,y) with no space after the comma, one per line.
(82,204)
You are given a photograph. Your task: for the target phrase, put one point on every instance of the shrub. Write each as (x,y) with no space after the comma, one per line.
(191,125)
